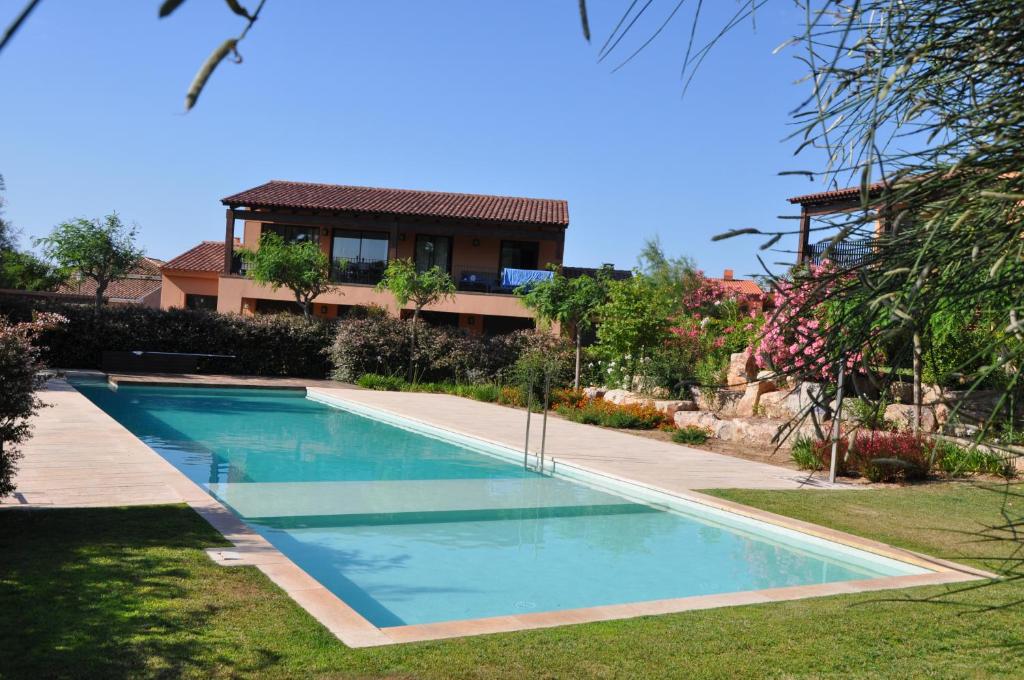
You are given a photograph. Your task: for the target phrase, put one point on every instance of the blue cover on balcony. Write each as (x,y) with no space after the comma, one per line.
(513,278)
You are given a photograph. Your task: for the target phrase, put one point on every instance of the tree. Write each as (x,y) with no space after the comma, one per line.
(937,156)
(420,288)
(302,268)
(20,270)
(571,302)
(103,250)
(671,273)
(634,323)
(20,377)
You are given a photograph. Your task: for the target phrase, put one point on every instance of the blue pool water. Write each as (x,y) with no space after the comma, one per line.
(408,528)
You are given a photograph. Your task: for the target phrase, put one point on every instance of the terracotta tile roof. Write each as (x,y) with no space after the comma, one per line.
(142,280)
(307,196)
(208,256)
(741,286)
(834,195)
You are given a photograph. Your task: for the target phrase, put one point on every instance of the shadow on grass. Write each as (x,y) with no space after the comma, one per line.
(108,592)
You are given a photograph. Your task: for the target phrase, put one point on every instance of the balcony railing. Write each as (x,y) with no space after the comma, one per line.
(844,253)
(371,271)
(358,270)
(489,281)
(478,281)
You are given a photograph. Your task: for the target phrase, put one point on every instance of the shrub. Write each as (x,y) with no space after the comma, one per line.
(542,359)
(869,414)
(892,456)
(803,454)
(607,414)
(264,345)
(373,381)
(381,345)
(691,434)
(958,461)
(822,450)
(20,378)
(879,456)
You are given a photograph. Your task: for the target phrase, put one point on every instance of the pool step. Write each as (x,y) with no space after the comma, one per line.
(314,499)
(449,516)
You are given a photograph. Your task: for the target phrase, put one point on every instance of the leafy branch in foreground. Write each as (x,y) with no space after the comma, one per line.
(919,104)
(226,48)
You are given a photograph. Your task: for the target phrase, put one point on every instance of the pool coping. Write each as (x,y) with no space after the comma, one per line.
(251,549)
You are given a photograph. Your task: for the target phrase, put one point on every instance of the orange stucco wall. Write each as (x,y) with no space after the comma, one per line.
(233,291)
(236,294)
(176,285)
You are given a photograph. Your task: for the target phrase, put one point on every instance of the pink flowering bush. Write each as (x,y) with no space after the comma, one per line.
(794,337)
(712,326)
(19,378)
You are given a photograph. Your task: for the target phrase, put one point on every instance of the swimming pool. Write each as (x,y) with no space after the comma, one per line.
(409,528)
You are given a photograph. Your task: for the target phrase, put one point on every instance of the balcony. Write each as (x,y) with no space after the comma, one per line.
(504,282)
(844,254)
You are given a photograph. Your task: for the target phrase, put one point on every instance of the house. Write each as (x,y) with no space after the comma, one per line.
(482,241)
(822,204)
(140,286)
(750,295)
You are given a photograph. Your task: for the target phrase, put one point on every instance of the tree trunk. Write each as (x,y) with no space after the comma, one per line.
(412,346)
(303,302)
(917,383)
(101,288)
(579,344)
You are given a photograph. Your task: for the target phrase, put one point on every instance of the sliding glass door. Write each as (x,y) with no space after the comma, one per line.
(433,251)
(358,256)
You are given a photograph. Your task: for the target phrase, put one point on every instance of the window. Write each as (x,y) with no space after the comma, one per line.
(433,251)
(358,256)
(518,255)
(292,234)
(201,302)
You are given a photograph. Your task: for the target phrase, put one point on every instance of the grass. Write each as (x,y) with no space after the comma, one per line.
(128,592)
(691,434)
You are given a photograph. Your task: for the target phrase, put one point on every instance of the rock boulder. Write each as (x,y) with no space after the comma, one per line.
(742,370)
(625,398)
(670,406)
(747,406)
(903,416)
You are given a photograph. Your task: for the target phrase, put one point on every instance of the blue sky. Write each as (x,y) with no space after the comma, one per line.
(462,95)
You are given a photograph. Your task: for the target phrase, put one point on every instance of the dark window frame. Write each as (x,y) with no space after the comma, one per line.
(451,247)
(189,297)
(362,235)
(535,245)
(288,232)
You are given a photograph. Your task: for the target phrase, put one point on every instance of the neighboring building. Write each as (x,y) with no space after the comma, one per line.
(475,238)
(614,274)
(141,286)
(750,295)
(830,203)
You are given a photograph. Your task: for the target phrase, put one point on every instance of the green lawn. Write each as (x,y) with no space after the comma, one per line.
(128,592)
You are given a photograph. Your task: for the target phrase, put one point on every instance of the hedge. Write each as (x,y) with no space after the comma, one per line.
(381,346)
(277,345)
